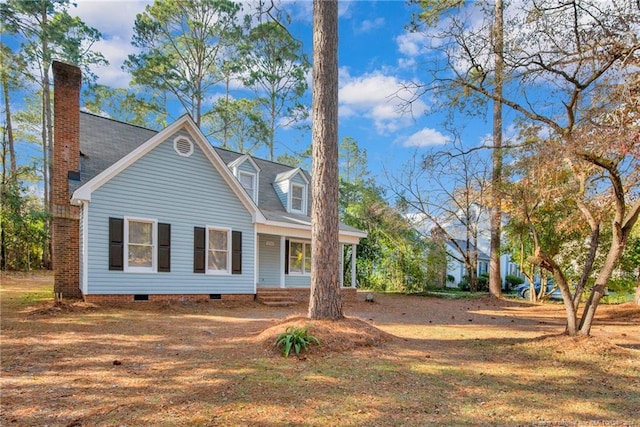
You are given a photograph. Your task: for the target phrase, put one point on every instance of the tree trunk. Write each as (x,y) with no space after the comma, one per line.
(637,297)
(495,278)
(8,126)
(615,250)
(47,141)
(325,298)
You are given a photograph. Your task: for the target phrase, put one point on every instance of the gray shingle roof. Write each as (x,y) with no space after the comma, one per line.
(104,141)
(463,244)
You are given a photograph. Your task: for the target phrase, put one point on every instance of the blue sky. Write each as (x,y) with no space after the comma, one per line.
(377,55)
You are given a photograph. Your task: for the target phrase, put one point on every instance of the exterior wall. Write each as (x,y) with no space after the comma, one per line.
(297,281)
(269,260)
(185,192)
(282,188)
(246,166)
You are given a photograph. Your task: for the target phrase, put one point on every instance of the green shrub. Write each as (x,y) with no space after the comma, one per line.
(295,338)
(483,283)
(513,281)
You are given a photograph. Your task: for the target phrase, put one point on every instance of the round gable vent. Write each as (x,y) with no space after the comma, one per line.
(183,146)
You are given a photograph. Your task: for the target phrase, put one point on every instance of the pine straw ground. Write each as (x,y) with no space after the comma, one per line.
(400,361)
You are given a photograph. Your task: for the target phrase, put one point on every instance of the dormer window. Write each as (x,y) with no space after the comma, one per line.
(248,181)
(247,172)
(297,198)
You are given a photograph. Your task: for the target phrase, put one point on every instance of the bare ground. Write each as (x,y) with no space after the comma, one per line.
(401,361)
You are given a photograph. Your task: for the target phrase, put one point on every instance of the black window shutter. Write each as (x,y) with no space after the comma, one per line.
(286,257)
(164,248)
(199,249)
(236,252)
(116,244)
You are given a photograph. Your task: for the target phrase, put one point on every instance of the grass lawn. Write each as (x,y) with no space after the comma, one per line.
(400,361)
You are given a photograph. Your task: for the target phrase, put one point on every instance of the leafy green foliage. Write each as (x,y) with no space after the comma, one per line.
(513,280)
(277,69)
(296,339)
(182,48)
(22,226)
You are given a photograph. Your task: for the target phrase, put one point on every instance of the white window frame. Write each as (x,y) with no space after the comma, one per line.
(254,182)
(154,246)
(206,258)
(304,255)
(303,202)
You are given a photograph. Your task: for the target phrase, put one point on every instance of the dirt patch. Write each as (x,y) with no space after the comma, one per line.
(402,361)
(334,335)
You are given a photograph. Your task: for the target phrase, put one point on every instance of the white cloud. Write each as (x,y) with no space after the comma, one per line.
(426,137)
(411,44)
(114,19)
(370,25)
(379,97)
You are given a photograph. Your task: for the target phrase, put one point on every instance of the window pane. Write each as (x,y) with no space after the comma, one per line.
(140,256)
(307,258)
(296,257)
(247,182)
(140,232)
(296,197)
(217,260)
(218,240)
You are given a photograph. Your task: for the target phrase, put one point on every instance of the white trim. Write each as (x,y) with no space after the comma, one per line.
(283,251)
(303,202)
(186,123)
(85,248)
(240,160)
(303,231)
(229,251)
(175,146)
(256,261)
(154,246)
(353,266)
(254,180)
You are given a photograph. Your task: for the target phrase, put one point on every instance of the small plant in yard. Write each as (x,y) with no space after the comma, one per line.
(295,338)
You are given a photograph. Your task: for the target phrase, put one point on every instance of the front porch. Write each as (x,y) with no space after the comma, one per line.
(279,297)
(284,262)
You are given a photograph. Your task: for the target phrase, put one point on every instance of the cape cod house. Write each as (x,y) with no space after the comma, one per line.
(144,215)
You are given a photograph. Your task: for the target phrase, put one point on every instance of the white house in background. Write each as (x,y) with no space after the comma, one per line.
(456,268)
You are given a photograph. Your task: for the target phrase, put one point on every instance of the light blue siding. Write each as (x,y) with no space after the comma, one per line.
(298,179)
(247,166)
(282,188)
(185,192)
(297,281)
(269,261)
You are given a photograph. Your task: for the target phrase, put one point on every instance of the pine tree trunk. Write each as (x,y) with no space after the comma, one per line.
(495,278)
(325,298)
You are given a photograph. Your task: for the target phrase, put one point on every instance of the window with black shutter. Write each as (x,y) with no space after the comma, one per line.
(199,249)
(164,248)
(116,244)
(236,252)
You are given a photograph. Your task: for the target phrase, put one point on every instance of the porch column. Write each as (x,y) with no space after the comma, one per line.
(353,265)
(341,265)
(283,243)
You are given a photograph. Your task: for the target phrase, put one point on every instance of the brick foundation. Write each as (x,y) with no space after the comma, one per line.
(126,299)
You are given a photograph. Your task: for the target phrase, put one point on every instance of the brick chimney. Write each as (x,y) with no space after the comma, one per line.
(66,159)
